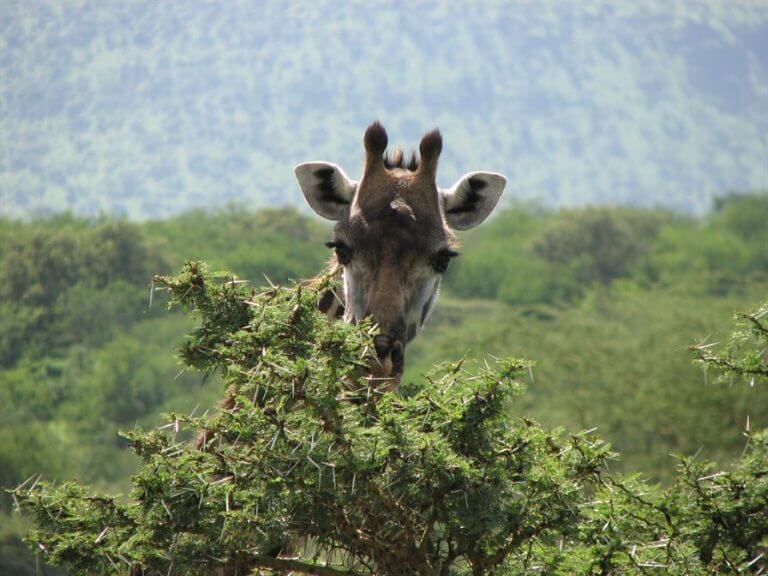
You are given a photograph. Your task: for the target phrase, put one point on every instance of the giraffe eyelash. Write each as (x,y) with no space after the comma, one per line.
(343,251)
(442,259)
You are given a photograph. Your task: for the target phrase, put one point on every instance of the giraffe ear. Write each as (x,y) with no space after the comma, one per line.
(327,189)
(472,199)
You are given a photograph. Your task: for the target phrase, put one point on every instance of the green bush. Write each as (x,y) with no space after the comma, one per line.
(441,481)
(68,281)
(599,244)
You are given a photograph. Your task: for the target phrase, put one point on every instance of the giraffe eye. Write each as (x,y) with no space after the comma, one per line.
(442,259)
(343,252)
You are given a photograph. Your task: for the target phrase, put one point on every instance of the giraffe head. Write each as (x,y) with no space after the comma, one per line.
(394,234)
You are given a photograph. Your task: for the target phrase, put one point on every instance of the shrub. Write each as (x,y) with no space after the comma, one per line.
(438,482)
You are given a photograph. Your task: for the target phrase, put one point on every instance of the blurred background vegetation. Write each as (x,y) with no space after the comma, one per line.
(604,300)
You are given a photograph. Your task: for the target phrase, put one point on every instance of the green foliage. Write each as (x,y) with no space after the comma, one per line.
(83,352)
(27,446)
(614,361)
(442,481)
(67,281)
(278,243)
(745,355)
(499,263)
(44,261)
(598,244)
(90,357)
(744,215)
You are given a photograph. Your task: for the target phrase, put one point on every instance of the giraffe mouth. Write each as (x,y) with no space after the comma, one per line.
(389,362)
(397,357)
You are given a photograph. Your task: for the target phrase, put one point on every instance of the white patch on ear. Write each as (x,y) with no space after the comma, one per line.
(327,189)
(472,199)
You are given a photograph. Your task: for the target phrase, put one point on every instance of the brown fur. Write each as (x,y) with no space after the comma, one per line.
(397,159)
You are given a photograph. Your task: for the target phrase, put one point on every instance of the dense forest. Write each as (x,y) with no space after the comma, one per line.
(605,302)
(151,108)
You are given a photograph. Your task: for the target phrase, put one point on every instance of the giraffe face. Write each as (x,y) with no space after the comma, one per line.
(392,266)
(394,235)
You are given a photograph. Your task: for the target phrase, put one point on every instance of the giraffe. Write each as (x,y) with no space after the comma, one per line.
(393,239)
(394,236)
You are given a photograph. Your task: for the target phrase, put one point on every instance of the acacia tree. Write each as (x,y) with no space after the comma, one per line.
(442,481)
(745,354)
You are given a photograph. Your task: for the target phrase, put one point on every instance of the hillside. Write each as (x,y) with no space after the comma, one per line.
(153,108)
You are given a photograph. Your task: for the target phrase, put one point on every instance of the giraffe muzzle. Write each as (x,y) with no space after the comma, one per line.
(390,358)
